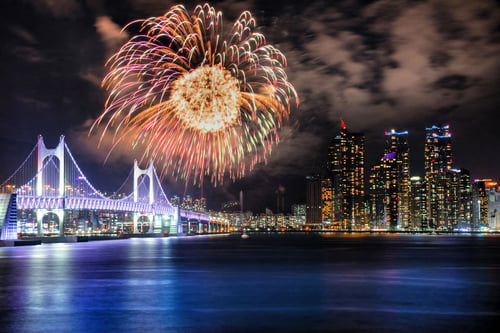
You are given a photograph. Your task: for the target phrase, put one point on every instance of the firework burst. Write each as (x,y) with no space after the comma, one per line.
(201,101)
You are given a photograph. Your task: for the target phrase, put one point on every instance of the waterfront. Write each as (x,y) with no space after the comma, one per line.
(268,282)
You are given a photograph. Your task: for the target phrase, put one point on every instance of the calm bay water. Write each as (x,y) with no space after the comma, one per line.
(265,283)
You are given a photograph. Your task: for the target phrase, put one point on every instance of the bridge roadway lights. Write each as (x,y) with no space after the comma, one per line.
(161,215)
(190,224)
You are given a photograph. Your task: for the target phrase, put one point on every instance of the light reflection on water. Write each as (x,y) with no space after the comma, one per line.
(281,282)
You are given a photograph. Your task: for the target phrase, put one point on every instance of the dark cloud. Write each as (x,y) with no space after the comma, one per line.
(453,82)
(439,58)
(57,8)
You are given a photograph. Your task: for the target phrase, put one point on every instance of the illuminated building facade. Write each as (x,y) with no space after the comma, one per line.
(346,162)
(230,207)
(327,201)
(493,206)
(200,205)
(390,184)
(397,142)
(377,194)
(299,210)
(197,205)
(465,207)
(437,163)
(175,201)
(298,217)
(187,202)
(480,189)
(384,192)
(417,205)
(458,200)
(273,222)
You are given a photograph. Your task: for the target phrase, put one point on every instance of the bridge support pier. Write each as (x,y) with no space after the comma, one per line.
(151,220)
(40,213)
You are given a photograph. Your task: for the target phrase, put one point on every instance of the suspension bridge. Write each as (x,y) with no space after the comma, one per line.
(49,195)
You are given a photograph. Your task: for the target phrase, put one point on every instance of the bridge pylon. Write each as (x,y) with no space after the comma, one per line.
(137,173)
(44,152)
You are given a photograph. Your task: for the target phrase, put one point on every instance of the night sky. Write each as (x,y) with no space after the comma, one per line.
(378,65)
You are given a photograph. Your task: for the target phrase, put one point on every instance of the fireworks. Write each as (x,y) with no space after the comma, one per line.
(201,100)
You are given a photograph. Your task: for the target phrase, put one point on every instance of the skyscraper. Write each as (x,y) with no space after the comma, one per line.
(458,200)
(493,206)
(465,206)
(398,142)
(313,202)
(438,160)
(480,203)
(377,212)
(390,183)
(346,162)
(384,192)
(327,211)
(417,204)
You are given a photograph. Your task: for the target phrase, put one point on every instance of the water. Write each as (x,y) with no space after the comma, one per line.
(266,283)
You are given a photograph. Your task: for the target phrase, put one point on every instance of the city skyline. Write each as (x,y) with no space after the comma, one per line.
(378,65)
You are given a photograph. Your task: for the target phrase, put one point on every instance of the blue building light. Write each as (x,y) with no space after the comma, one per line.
(393,132)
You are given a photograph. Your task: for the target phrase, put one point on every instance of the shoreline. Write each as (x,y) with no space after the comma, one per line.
(86,238)
(92,238)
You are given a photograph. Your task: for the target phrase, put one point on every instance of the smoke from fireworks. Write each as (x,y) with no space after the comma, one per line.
(201,100)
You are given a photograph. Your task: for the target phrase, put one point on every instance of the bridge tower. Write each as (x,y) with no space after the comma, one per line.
(43,152)
(137,173)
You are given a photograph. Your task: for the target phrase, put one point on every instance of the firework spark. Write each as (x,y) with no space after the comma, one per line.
(201,100)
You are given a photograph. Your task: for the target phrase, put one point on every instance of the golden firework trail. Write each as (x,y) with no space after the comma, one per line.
(202,101)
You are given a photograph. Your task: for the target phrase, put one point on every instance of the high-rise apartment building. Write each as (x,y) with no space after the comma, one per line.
(397,142)
(313,202)
(384,192)
(493,206)
(200,204)
(378,192)
(346,162)
(327,199)
(203,204)
(187,202)
(417,204)
(175,200)
(390,184)
(437,163)
(480,203)
(458,199)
